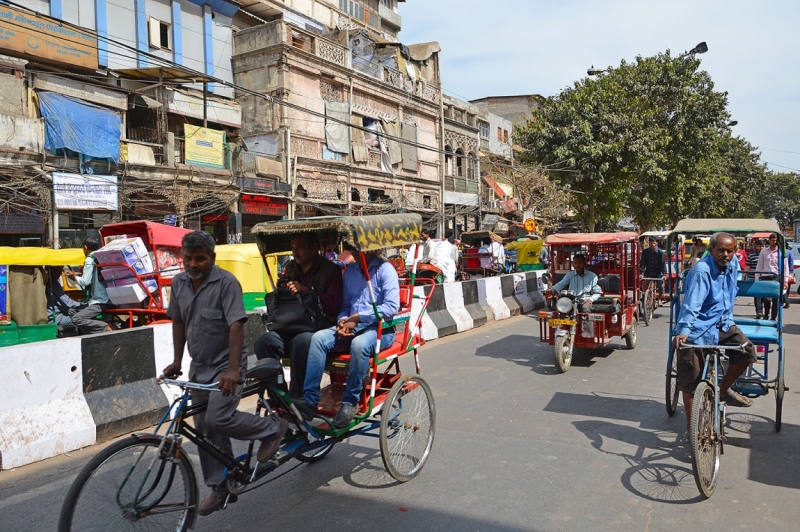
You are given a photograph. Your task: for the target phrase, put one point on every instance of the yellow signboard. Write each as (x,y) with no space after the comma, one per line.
(530,225)
(29,34)
(204,146)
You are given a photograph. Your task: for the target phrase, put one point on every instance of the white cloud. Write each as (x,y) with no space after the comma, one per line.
(497,47)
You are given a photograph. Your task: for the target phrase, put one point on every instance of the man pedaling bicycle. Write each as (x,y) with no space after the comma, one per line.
(654,266)
(706,318)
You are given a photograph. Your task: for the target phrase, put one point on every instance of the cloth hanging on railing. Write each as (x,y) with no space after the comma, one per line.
(337,134)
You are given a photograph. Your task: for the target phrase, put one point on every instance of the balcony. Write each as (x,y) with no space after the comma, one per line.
(460,184)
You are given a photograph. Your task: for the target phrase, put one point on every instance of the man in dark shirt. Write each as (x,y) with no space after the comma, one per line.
(308,271)
(208,315)
(654,266)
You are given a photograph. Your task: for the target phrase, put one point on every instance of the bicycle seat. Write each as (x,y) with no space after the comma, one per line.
(265,368)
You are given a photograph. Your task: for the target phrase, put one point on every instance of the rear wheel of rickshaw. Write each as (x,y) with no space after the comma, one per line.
(780,389)
(630,337)
(408,424)
(704,440)
(672,384)
(649,305)
(562,352)
(316,454)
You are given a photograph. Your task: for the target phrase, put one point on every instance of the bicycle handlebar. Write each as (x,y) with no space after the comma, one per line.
(684,345)
(213,387)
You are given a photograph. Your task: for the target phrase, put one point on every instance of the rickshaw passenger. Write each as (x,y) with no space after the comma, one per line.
(86,319)
(706,318)
(356,330)
(59,304)
(308,271)
(654,265)
(580,280)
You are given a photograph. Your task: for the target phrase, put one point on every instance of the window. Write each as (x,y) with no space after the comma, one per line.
(505,136)
(426,202)
(500,134)
(160,35)
(484,130)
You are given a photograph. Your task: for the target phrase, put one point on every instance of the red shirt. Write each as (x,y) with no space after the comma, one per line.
(742,256)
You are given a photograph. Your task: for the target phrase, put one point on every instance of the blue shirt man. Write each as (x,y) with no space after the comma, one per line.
(357,329)
(580,281)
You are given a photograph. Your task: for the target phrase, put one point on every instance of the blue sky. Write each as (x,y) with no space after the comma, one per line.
(503,47)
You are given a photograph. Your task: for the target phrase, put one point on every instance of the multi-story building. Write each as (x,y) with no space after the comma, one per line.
(462,124)
(355,113)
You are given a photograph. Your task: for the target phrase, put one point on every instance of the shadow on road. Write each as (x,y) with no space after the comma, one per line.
(528,351)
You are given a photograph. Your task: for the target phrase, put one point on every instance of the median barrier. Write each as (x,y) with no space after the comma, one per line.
(490,295)
(454,301)
(521,293)
(43,412)
(119,381)
(477,312)
(507,289)
(438,312)
(532,280)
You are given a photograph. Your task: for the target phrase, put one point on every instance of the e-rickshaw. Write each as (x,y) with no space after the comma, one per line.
(475,262)
(614,258)
(149,478)
(707,426)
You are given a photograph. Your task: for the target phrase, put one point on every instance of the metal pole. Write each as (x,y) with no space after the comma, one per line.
(205,103)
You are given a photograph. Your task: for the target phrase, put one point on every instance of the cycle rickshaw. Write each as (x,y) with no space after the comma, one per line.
(614,258)
(148,479)
(707,425)
(650,298)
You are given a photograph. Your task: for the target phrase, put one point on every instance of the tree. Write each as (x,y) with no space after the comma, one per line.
(648,138)
(782,200)
(539,194)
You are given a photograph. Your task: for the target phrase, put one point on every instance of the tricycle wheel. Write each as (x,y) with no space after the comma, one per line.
(562,352)
(704,440)
(408,424)
(630,337)
(317,453)
(672,384)
(780,389)
(649,306)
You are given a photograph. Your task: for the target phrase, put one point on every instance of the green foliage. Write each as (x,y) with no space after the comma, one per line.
(648,139)
(783,200)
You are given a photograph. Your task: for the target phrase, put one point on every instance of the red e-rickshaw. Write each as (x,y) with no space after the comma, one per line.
(615,259)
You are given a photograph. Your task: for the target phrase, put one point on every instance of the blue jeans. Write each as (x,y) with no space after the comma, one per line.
(362,347)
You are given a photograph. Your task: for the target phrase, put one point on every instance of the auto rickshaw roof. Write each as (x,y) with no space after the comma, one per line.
(363,233)
(152,233)
(656,233)
(735,226)
(591,238)
(468,237)
(41,256)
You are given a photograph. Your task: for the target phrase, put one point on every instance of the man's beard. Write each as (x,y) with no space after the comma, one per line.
(195,274)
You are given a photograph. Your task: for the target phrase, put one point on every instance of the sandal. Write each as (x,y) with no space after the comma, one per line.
(736,399)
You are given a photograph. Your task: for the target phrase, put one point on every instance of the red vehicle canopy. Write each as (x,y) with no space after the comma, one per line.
(153,234)
(591,238)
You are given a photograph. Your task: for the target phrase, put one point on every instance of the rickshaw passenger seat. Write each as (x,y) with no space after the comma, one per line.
(760,334)
(602,282)
(613,283)
(763,289)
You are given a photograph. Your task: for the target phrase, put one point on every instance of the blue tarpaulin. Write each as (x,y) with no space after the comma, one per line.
(83,128)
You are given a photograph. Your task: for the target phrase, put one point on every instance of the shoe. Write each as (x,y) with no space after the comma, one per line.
(345,415)
(215,501)
(270,446)
(306,410)
(786,306)
(759,316)
(736,399)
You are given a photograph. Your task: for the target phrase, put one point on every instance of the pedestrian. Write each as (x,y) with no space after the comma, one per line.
(85,319)
(769,269)
(208,315)
(752,264)
(790,260)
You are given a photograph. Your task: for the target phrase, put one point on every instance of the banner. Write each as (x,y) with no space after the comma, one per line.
(263,205)
(204,146)
(87,192)
(30,35)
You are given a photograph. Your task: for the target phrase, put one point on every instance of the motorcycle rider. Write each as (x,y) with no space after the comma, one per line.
(581,281)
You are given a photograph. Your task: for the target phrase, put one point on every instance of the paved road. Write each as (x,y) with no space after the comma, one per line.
(518,447)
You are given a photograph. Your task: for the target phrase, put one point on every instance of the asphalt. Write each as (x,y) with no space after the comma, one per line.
(517,447)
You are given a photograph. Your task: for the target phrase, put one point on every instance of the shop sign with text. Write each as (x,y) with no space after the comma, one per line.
(263,205)
(85,192)
(204,146)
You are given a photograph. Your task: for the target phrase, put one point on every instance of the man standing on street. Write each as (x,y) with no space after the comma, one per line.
(208,314)
(769,269)
(654,266)
(706,318)
(86,319)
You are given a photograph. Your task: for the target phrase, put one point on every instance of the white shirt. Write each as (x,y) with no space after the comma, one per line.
(429,251)
(498,253)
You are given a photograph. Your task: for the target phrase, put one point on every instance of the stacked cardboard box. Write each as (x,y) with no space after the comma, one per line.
(123,288)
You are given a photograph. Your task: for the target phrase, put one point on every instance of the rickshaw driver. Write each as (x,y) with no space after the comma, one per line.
(357,329)
(706,318)
(654,265)
(579,280)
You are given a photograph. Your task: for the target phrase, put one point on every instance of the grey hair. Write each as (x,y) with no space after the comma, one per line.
(198,241)
(712,242)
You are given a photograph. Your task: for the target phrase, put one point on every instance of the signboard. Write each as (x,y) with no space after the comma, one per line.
(530,225)
(214,218)
(31,35)
(263,184)
(204,146)
(87,192)
(170,219)
(263,205)
(18,224)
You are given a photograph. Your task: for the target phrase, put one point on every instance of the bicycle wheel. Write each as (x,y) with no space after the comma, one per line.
(649,305)
(317,453)
(116,492)
(780,389)
(672,384)
(704,440)
(408,424)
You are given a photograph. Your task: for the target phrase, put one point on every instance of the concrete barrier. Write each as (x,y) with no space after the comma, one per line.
(478,313)
(507,289)
(119,381)
(534,289)
(438,312)
(427,329)
(43,412)
(521,293)
(164,354)
(490,294)
(454,301)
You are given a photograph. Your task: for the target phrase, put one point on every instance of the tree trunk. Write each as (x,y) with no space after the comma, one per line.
(590,221)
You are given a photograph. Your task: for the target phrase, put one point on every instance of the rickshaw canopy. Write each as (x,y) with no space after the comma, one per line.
(152,233)
(735,226)
(567,239)
(362,233)
(657,234)
(470,237)
(41,256)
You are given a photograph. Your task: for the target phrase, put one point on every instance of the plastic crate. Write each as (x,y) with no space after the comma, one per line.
(9,334)
(252,300)
(37,333)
